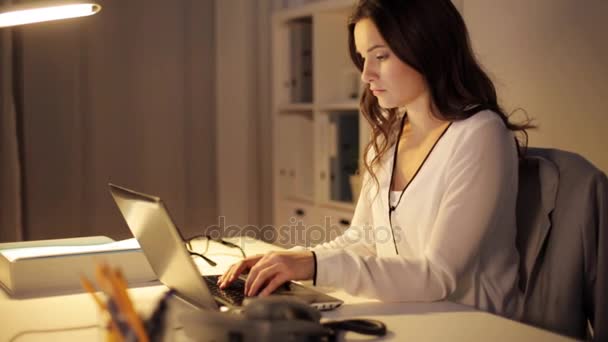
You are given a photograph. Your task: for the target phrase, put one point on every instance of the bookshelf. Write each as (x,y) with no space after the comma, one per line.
(318,132)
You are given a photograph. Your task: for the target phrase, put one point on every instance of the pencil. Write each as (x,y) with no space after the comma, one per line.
(132,315)
(117,290)
(86,284)
(106,287)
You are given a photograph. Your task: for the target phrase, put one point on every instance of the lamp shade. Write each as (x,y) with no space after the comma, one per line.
(39,11)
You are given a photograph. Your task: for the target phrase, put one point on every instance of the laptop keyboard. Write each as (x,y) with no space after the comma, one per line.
(233,294)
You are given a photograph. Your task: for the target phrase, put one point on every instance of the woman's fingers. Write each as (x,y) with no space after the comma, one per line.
(269,260)
(223,281)
(267,272)
(261,279)
(233,273)
(221,278)
(236,269)
(274,284)
(253,273)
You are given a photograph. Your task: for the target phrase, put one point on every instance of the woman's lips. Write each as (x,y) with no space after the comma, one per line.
(377,91)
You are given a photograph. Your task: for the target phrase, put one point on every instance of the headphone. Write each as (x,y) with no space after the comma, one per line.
(272,319)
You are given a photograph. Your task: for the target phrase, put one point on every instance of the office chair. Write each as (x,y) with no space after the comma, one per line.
(562,237)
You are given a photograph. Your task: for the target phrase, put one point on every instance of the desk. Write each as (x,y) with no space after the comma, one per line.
(440,321)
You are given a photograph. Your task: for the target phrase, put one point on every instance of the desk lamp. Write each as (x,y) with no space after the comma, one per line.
(39,11)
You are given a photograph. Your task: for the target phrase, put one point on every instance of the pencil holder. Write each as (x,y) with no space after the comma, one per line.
(115,327)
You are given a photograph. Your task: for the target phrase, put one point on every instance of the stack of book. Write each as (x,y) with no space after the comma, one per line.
(34,268)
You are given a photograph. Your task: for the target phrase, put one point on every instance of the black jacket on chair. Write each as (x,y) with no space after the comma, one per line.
(562,238)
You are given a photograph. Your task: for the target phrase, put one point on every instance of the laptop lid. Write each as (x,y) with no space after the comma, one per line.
(160,240)
(162,244)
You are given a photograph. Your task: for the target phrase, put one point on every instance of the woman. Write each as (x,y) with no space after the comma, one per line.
(436,216)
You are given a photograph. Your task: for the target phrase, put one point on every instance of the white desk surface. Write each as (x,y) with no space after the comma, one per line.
(440,321)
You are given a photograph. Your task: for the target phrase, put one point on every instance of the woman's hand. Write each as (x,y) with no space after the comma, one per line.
(269,271)
(236,269)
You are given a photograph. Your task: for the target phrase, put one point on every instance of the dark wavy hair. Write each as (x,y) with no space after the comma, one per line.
(431,37)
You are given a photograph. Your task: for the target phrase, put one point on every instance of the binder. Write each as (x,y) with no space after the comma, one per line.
(300,40)
(45,267)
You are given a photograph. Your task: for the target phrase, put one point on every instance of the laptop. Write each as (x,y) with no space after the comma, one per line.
(164,247)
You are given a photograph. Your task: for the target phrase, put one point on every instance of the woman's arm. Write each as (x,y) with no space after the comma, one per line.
(268,271)
(359,237)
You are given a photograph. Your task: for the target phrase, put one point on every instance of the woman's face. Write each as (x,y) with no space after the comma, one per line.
(393,82)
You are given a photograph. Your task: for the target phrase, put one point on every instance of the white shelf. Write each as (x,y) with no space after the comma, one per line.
(325,107)
(346,105)
(300,199)
(315,143)
(346,206)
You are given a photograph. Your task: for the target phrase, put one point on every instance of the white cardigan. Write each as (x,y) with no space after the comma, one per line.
(454,228)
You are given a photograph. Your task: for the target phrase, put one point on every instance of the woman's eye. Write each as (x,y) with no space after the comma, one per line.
(381,57)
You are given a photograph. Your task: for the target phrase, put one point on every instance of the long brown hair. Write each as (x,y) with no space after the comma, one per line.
(431,37)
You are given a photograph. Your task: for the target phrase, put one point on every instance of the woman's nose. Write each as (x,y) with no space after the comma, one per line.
(368,74)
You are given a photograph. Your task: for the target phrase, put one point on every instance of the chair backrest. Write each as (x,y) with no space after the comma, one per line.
(561,209)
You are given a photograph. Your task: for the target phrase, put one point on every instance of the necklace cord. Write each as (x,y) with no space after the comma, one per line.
(392,208)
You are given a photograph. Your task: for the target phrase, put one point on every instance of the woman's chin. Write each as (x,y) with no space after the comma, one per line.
(386,104)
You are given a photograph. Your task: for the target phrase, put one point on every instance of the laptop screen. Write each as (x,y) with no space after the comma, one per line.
(162,244)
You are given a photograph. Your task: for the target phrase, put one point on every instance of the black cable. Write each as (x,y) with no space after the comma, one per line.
(392,208)
(45,331)
(362,326)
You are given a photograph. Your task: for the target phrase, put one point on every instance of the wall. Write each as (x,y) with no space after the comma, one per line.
(127,96)
(549,57)
(244,146)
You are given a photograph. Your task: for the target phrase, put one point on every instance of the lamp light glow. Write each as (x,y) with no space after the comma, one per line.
(20,16)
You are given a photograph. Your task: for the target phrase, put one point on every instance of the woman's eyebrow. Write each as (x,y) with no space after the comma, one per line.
(373,47)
